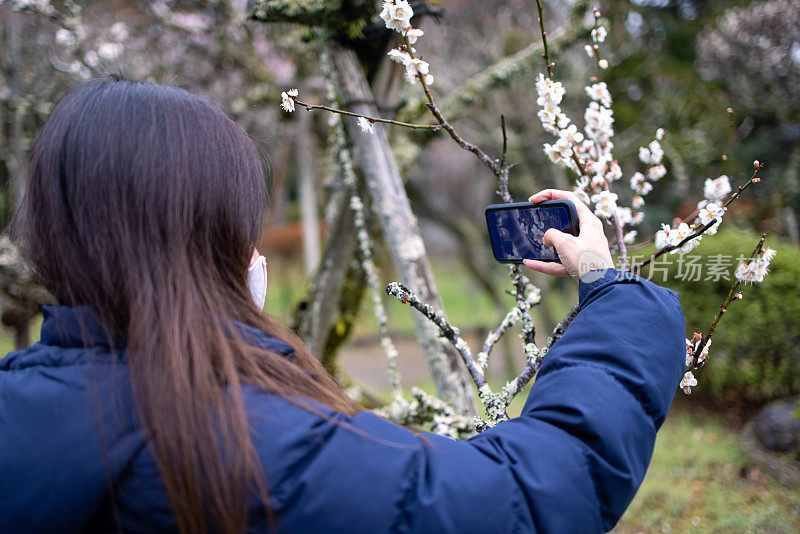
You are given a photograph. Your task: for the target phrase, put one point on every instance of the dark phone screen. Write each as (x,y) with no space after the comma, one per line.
(517,233)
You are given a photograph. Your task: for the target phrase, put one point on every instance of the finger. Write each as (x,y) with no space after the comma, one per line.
(555,238)
(546,267)
(584,213)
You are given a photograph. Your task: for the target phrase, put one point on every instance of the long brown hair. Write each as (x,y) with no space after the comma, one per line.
(145,203)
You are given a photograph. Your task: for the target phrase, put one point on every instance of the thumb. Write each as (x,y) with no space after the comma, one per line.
(555,238)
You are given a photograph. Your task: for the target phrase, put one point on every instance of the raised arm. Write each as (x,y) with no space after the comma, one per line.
(571,462)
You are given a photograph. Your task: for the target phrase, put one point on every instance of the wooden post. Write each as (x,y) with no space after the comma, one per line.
(399,225)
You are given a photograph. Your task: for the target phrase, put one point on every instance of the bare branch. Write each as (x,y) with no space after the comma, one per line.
(311,107)
(696,361)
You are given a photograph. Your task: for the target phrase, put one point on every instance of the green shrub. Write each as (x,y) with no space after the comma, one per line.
(755,354)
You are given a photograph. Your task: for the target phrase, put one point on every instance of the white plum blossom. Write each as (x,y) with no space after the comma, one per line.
(417,68)
(605,204)
(651,154)
(553,119)
(550,92)
(599,122)
(65,38)
(560,152)
(689,353)
(412,34)
(704,354)
(630,237)
(637,202)
(599,34)
(624,215)
(365,124)
(656,172)
(109,51)
(716,189)
(580,192)
(399,56)
(589,50)
(662,237)
(598,180)
(571,135)
(614,172)
(688,382)
(660,134)
(603,64)
(708,213)
(640,185)
(397,15)
(599,93)
(754,271)
(287,100)
(690,350)
(119,31)
(91,58)
(678,234)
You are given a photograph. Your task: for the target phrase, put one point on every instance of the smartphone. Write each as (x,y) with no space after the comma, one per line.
(516,230)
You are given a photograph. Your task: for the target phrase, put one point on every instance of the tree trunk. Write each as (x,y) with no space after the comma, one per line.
(399,226)
(278,196)
(308,192)
(313,319)
(17,157)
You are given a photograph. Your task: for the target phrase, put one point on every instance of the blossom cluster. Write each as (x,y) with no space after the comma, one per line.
(599,34)
(754,271)
(588,153)
(692,267)
(397,15)
(709,210)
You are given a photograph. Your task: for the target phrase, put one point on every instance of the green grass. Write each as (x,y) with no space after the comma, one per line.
(699,481)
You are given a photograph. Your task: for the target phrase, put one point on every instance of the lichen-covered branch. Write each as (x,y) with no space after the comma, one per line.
(561,327)
(332,14)
(426,409)
(494,404)
(345,161)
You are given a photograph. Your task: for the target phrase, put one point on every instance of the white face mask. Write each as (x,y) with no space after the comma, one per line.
(257,281)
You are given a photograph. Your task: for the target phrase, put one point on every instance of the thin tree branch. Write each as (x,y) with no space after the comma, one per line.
(311,107)
(546,53)
(696,362)
(753,179)
(449,332)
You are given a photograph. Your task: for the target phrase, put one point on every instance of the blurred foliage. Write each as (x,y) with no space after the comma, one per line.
(657,80)
(755,353)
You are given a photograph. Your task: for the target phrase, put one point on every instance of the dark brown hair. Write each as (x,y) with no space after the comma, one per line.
(145,203)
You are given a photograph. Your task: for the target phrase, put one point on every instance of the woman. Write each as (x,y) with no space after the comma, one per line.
(161,399)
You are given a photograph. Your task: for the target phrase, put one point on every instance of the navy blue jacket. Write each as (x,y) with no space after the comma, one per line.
(570,463)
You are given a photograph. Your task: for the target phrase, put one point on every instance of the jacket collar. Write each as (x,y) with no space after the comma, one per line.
(79,326)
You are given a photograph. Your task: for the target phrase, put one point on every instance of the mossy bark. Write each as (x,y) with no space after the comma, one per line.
(332,14)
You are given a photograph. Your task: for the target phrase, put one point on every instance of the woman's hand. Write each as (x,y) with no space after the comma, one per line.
(579,254)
